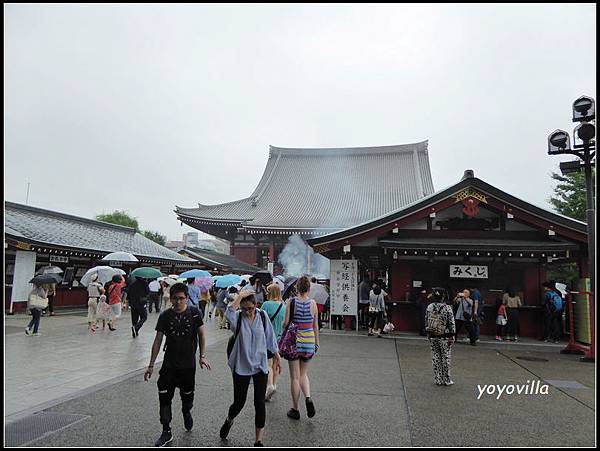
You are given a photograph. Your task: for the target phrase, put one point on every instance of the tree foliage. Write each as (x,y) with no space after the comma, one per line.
(569,195)
(155,236)
(119,217)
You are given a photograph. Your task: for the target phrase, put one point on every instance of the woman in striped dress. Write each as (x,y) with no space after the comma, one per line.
(305,316)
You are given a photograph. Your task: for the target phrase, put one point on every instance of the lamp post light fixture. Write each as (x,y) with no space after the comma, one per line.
(584,147)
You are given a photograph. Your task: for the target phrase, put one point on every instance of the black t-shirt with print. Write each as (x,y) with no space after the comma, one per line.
(181,331)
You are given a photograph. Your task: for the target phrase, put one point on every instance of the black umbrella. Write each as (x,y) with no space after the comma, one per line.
(264,276)
(44,279)
(289,284)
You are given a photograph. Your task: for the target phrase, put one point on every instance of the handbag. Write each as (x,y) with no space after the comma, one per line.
(287,342)
(37,302)
(466,316)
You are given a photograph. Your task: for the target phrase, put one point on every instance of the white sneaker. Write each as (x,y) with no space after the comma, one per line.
(27,331)
(270,391)
(450,383)
(37,334)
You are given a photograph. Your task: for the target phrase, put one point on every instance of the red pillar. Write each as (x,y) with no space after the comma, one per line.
(401,280)
(271,250)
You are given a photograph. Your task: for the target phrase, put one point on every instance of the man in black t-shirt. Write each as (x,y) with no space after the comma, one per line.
(184,329)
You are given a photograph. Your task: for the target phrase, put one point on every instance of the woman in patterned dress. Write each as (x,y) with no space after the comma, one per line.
(441,327)
(303,312)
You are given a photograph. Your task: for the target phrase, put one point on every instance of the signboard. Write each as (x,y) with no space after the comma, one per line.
(344,293)
(468,272)
(581,313)
(59,259)
(24,246)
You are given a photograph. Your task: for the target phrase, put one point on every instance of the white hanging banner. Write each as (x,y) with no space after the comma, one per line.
(344,293)
(24,272)
(468,272)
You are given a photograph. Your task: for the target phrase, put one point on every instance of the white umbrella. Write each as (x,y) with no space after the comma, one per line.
(120,257)
(50,270)
(279,283)
(105,274)
(318,293)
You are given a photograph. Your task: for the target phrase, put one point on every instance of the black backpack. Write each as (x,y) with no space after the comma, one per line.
(231,341)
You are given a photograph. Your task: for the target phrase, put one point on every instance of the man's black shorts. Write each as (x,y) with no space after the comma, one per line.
(170,378)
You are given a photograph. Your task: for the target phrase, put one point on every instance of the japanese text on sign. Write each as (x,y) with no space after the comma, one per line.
(468,272)
(344,287)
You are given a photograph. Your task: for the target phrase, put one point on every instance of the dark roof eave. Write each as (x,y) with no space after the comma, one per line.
(480,184)
(83,249)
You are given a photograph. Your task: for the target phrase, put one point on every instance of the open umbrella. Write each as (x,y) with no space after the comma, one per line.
(105,274)
(204,283)
(264,276)
(43,279)
(49,270)
(147,273)
(289,283)
(318,293)
(120,257)
(228,280)
(193,273)
(279,282)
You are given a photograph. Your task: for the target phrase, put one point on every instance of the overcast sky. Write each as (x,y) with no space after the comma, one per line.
(142,108)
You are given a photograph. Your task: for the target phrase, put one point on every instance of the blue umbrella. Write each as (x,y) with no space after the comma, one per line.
(193,273)
(228,280)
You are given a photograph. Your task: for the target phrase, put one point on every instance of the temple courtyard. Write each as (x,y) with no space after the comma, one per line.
(70,388)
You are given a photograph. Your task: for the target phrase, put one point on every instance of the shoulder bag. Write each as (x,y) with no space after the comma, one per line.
(37,302)
(287,342)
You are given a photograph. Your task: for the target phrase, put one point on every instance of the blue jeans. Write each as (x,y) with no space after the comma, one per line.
(36,316)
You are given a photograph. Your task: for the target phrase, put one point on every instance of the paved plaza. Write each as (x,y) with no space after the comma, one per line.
(69,388)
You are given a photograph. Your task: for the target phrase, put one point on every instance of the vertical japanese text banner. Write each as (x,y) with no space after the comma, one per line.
(344,294)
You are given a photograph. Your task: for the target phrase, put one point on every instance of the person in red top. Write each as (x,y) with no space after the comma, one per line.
(114,292)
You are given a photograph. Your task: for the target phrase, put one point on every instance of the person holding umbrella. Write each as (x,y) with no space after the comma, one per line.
(95,290)
(36,300)
(137,294)
(114,292)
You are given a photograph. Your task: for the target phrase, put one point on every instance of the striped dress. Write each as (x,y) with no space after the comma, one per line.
(305,338)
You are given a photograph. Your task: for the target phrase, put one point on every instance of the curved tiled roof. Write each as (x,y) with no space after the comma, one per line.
(327,188)
(59,229)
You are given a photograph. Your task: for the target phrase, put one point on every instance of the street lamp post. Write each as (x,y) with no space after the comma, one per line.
(584,112)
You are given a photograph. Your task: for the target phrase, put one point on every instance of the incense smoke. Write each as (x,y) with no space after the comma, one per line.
(295,258)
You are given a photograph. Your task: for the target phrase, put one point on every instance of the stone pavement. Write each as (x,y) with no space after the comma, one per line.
(66,359)
(368,392)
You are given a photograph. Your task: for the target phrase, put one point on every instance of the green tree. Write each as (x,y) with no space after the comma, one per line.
(119,217)
(569,195)
(155,236)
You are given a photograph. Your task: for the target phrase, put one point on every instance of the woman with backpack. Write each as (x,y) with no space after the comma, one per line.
(248,353)
(440,327)
(275,308)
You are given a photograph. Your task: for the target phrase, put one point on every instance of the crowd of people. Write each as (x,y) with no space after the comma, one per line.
(261,338)
(266,328)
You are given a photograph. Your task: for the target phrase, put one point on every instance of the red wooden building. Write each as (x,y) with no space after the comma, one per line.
(468,235)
